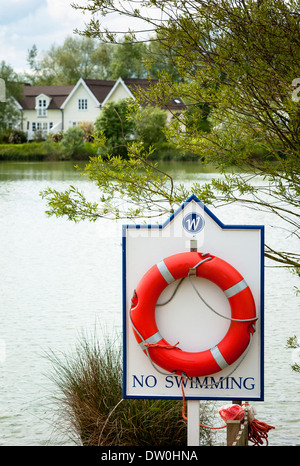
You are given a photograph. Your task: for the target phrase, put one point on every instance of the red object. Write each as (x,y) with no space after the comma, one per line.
(257,430)
(232,413)
(171,358)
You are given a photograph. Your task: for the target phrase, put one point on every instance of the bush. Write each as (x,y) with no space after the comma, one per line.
(4,136)
(88,130)
(39,136)
(50,148)
(55,137)
(72,142)
(16,137)
(91,404)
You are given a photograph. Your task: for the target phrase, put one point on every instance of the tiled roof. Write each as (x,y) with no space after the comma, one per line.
(100,89)
(174,104)
(58,95)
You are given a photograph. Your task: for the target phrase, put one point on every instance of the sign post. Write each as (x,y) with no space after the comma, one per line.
(196,312)
(193,406)
(193,427)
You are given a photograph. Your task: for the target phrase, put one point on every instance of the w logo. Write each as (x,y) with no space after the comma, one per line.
(193,223)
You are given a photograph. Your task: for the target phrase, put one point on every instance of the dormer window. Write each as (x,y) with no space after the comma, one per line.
(42,102)
(42,108)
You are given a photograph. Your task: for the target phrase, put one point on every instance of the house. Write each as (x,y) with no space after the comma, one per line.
(51,109)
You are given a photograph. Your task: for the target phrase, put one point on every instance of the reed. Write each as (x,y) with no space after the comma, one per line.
(89,397)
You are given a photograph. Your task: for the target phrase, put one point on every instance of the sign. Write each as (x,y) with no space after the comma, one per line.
(185,314)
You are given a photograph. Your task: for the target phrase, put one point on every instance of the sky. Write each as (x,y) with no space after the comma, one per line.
(24,23)
(40,22)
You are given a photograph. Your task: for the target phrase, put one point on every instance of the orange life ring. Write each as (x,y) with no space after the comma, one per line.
(173,359)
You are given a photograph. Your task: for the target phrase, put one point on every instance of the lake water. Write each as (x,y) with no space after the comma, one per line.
(59,278)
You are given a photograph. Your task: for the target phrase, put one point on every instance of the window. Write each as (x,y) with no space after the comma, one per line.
(41,127)
(82,104)
(42,108)
(37,126)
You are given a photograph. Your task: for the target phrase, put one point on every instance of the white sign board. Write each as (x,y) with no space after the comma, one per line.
(199,314)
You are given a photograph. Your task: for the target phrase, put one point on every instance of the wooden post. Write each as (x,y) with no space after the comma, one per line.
(233,428)
(237,431)
(241,439)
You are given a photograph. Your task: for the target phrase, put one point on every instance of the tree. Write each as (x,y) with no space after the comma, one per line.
(127,60)
(114,128)
(239,57)
(159,60)
(141,60)
(150,125)
(90,59)
(9,114)
(78,57)
(72,142)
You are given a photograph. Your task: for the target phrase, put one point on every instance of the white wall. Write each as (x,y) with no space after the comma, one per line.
(119,93)
(72,115)
(30,116)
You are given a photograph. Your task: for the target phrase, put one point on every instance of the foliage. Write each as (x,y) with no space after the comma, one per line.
(72,142)
(45,150)
(86,57)
(9,114)
(127,60)
(197,118)
(293,343)
(131,175)
(34,151)
(115,128)
(55,137)
(12,136)
(122,122)
(91,407)
(66,64)
(88,130)
(150,124)
(159,60)
(17,137)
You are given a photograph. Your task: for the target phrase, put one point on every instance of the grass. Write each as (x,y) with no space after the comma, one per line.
(92,410)
(51,151)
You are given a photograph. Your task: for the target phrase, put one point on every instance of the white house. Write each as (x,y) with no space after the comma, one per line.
(56,108)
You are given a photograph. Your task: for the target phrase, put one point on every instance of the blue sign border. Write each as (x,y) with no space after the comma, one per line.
(262,287)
